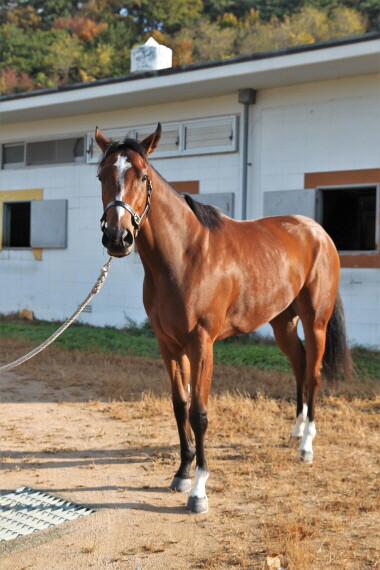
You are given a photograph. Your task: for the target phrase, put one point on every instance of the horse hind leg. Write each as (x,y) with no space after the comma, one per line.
(315,338)
(314,321)
(285,332)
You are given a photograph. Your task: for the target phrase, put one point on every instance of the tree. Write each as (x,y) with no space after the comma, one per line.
(367,8)
(215,9)
(84,29)
(46,42)
(12,81)
(24,17)
(306,26)
(166,15)
(204,42)
(96,63)
(63,58)
(49,10)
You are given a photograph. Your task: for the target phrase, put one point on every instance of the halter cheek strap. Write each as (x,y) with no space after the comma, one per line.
(136,219)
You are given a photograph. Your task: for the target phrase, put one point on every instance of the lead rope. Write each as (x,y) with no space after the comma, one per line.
(94,291)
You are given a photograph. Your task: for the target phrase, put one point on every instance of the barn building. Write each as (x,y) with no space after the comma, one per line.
(289,131)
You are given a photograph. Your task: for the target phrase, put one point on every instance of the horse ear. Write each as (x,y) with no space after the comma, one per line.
(151,142)
(102,141)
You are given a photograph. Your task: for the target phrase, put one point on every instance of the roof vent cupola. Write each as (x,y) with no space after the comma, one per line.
(150,57)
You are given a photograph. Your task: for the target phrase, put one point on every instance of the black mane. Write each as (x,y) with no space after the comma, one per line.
(209,216)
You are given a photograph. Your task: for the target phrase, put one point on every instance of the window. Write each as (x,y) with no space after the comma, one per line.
(16,227)
(197,136)
(349,217)
(34,224)
(13,155)
(358,206)
(57,151)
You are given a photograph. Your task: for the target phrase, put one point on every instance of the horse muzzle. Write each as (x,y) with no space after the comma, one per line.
(119,243)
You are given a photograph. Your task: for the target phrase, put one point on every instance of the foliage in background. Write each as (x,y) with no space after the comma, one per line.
(139,340)
(48,43)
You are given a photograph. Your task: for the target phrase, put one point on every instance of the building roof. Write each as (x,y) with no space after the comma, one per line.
(357,55)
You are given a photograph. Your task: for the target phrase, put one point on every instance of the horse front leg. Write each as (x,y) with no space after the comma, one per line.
(201,362)
(178,368)
(182,479)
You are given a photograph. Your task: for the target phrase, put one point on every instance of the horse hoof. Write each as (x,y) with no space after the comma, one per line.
(197,505)
(180,485)
(307,457)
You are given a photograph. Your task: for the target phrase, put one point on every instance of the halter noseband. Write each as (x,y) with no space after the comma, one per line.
(136,219)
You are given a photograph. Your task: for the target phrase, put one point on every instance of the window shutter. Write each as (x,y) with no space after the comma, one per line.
(169,141)
(288,202)
(223,200)
(196,136)
(48,223)
(210,135)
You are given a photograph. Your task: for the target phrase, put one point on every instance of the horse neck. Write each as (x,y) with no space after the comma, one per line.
(164,234)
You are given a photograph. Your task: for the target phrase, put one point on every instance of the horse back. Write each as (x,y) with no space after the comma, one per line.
(291,238)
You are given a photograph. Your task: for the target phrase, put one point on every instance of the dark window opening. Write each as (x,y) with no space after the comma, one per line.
(349,217)
(16,224)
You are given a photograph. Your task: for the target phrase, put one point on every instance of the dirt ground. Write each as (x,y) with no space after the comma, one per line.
(100,431)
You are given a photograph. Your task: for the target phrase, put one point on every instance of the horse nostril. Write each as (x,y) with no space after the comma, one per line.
(127,238)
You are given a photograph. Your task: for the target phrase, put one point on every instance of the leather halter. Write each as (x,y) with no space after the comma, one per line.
(136,219)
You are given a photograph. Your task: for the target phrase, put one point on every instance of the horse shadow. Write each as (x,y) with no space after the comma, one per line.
(106,505)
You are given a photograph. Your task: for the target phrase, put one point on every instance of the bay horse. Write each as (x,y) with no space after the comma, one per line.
(208,277)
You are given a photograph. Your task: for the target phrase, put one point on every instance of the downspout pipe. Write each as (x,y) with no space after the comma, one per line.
(246,97)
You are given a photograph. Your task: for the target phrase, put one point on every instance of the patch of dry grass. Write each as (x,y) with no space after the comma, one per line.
(320,516)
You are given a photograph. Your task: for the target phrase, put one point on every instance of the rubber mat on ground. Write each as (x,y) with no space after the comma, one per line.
(26,510)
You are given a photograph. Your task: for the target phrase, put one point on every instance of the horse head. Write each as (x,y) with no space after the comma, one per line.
(124,173)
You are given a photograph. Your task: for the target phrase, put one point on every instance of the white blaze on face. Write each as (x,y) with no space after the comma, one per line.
(122,165)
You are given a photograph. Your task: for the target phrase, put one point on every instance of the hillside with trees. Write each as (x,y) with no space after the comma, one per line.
(49,43)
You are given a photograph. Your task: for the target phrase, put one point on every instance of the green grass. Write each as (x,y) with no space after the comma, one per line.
(82,337)
(367,362)
(140,341)
(258,355)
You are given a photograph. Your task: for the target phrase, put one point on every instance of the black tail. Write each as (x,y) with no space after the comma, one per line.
(337,362)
